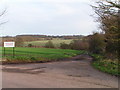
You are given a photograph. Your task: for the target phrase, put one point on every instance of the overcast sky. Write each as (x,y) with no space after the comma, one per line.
(48,17)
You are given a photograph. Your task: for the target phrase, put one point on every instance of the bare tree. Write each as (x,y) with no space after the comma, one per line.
(1,14)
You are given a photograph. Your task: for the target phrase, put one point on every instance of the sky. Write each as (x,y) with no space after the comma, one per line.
(47,17)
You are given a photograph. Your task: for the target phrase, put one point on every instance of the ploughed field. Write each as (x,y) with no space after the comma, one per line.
(25,54)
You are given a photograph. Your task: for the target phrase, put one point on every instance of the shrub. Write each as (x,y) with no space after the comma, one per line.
(49,44)
(97,57)
(79,45)
(30,45)
(64,46)
(97,43)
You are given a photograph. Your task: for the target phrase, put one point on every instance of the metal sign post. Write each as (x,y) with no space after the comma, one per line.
(13,52)
(4,51)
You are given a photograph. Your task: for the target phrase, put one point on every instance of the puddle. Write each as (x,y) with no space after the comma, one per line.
(25,70)
(79,75)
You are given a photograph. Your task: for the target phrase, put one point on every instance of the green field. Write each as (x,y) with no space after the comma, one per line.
(23,54)
(56,42)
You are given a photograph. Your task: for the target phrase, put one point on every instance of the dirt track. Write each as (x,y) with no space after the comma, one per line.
(63,74)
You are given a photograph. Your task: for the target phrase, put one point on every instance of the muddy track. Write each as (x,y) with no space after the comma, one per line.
(75,72)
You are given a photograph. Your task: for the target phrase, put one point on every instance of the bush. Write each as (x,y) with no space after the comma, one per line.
(64,46)
(97,57)
(79,45)
(30,45)
(49,44)
(97,43)
(76,45)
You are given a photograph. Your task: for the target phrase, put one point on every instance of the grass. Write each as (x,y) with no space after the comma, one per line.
(23,54)
(56,42)
(97,57)
(108,66)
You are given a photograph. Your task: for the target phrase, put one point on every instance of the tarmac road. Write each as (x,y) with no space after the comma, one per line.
(63,74)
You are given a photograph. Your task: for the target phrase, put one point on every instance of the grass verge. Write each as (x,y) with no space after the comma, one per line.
(28,55)
(108,66)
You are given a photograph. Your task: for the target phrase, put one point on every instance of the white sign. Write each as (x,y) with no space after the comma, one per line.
(9,44)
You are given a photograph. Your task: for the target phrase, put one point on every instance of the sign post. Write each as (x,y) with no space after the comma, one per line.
(4,51)
(10,44)
(13,52)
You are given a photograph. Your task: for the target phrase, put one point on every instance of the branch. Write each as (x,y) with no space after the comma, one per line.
(2,23)
(3,13)
(114,4)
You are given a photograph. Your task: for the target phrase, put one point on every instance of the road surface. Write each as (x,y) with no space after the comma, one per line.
(74,73)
